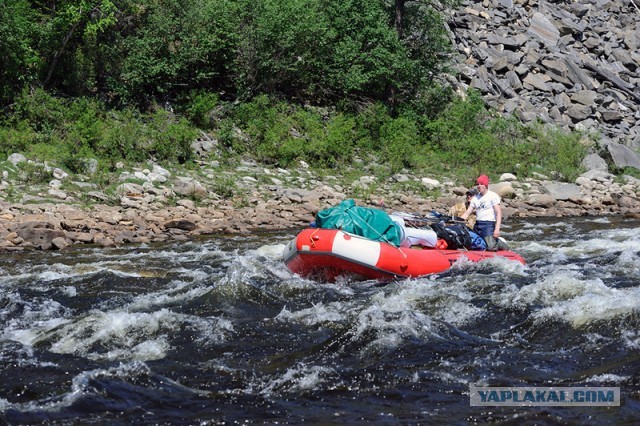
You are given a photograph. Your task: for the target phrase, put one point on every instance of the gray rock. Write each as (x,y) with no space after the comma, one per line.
(584,97)
(16,159)
(189,187)
(56,193)
(98,195)
(579,112)
(40,237)
(597,175)
(183,224)
(504,189)
(60,243)
(562,191)
(623,156)
(541,200)
(594,162)
(542,27)
(537,81)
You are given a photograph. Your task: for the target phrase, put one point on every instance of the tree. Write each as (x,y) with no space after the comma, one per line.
(318,51)
(19,59)
(421,28)
(68,22)
(177,46)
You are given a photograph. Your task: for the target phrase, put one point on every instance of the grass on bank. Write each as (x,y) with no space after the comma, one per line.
(461,141)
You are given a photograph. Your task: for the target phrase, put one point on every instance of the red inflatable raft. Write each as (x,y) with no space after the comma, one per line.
(325,254)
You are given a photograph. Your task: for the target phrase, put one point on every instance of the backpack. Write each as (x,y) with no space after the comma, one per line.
(477,242)
(456,236)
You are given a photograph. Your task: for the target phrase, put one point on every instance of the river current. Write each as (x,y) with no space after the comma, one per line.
(218,330)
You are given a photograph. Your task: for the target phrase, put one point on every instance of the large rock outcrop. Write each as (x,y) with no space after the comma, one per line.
(575,64)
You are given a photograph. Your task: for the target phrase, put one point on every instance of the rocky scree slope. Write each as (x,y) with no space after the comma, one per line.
(575,64)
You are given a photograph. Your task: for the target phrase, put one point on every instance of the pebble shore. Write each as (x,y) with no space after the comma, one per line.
(171,207)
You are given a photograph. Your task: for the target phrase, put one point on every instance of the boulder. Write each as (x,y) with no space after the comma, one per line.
(594,162)
(40,237)
(623,156)
(504,189)
(562,191)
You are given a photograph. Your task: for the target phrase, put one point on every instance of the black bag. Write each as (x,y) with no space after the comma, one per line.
(456,236)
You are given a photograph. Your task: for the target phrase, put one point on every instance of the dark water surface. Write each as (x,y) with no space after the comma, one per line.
(219,331)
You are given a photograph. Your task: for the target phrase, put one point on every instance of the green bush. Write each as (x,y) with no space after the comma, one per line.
(368,124)
(199,107)
(17,137)
(124,138)
(71,131)
(170,137)
(401,145)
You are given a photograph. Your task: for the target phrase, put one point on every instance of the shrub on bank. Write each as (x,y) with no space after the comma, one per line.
(463,140)
(47,128)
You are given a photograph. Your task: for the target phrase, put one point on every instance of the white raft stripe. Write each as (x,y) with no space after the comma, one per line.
(358,249)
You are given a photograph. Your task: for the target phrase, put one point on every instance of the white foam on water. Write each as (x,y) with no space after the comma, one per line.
(539,249)
(179,292)
(567,295)
(254,269)
(609,378)
(392,319)
(628,264)
(319,313)
(122,331)
(34,316)
(498,264)
(631,339)
(298,379)
(603,219)
(451,302)
(400,311)
(271,251)
(146,351)
(69,290)
(593,246)
(447,377)
(126,335)
(595,342)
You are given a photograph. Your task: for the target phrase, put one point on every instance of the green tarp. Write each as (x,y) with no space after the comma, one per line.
(367,222)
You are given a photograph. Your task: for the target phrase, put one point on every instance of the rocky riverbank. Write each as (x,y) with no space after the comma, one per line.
(154,204)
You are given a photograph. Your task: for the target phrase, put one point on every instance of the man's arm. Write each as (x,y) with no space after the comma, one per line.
(498,211)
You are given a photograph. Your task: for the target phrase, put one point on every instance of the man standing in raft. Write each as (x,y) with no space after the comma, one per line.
(488,212)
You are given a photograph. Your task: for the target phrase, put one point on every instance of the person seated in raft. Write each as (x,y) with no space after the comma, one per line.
(458,209)
(415,236)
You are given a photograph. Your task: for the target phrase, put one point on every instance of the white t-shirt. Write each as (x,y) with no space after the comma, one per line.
(483,205)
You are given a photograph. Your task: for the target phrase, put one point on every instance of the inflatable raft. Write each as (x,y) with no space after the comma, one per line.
(326,254)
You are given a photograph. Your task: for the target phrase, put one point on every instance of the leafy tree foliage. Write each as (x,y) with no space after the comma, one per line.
(68,26)
(17,37)
(177,46)
(323,50)
(158,51)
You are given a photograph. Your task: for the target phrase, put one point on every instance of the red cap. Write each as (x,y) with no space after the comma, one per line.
(483,180)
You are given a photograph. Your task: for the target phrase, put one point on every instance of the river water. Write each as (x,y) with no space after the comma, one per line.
(219,331)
